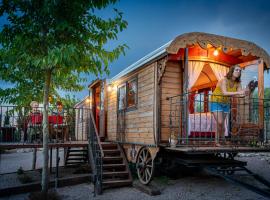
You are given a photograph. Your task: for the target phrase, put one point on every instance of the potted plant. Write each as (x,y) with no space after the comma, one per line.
(173,139)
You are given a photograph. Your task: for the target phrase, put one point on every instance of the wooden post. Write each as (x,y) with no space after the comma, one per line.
(57,166)
(51,160)
(185,89)
(261,93)
(34,159)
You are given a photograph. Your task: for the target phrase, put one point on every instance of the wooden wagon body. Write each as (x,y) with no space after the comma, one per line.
(153,100)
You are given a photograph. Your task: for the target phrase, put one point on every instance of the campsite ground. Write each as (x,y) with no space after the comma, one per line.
(198,186)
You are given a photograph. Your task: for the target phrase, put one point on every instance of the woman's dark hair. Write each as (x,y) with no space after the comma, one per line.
(230,74)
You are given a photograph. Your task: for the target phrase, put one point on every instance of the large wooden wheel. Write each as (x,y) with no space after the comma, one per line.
(145,166)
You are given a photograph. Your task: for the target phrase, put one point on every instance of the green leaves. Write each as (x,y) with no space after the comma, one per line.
(63,36)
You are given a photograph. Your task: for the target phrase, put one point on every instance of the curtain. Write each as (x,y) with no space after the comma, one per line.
(219,70)
(194,70)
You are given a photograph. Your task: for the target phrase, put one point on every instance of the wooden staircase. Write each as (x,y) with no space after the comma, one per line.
(115,172)
(76,156)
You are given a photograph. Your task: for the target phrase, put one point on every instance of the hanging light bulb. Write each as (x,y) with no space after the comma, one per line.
(109,88)
(216,52)
(88,100)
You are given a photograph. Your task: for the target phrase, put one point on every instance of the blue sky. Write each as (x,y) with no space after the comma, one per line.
(152,23)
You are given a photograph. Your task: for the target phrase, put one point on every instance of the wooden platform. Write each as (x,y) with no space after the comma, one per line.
(39,145)
(196,149)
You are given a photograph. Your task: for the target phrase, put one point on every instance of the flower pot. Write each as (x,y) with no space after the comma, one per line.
(173,142)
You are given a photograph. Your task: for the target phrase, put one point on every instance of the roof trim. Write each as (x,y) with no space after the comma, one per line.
(225,43)
(154,54)
(81,102)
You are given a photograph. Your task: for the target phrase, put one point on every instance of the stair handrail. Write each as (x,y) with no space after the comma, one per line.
(96,155)
(96,133)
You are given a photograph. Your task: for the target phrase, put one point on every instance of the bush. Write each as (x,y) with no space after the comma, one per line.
(24,178)
(20,171)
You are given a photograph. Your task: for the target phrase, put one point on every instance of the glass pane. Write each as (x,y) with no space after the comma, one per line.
(199,102)
(250,73)
(121,98)
(131,93)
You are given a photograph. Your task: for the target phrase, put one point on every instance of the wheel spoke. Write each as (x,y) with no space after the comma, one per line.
(143,175)
(148,160)
(141,158)
(148,172)
(144,155)
(146,175)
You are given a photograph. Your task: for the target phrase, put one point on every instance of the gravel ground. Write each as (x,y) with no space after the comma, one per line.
(202,186)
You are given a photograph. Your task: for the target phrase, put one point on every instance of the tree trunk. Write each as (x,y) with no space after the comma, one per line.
(45,169)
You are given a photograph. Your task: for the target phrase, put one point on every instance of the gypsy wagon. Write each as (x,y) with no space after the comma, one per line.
(157,109)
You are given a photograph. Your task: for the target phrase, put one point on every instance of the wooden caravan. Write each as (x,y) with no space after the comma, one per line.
(160,104)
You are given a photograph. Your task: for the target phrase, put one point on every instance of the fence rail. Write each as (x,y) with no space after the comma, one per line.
(206,119)
(24,126)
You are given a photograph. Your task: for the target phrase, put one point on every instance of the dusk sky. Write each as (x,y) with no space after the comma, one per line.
(153,23)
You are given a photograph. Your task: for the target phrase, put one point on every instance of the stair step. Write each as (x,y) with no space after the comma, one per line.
(75,162)
(109,146)
(75,159)
(116,183)
(114,166)
(122,174)
(112,160)
(77,150)
(113,152)
(77,154)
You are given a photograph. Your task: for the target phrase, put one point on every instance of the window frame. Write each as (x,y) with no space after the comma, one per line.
(125,84)
(205,92)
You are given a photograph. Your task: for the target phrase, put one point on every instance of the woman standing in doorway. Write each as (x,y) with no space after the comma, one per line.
(227,87)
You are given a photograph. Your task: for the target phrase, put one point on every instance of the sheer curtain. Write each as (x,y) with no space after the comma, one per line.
(219,70)
(194,71)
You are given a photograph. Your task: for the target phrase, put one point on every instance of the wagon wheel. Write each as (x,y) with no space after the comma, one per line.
(145,166)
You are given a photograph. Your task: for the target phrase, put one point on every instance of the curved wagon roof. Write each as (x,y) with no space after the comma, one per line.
(226,44)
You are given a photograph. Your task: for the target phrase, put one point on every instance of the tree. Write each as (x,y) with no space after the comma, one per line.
(55,41)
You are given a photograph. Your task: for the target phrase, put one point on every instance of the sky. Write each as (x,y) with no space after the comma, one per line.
(152,23)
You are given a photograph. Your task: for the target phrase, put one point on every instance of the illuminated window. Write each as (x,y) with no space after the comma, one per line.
(122,97)
(127,95)
(131,93)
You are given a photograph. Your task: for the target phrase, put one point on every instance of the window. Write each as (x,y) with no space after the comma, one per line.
(122,97)
(127,95)
(131,93)
(199,101)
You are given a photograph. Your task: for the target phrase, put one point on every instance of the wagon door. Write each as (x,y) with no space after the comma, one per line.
(99,106)
(96,103)
(102,110)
